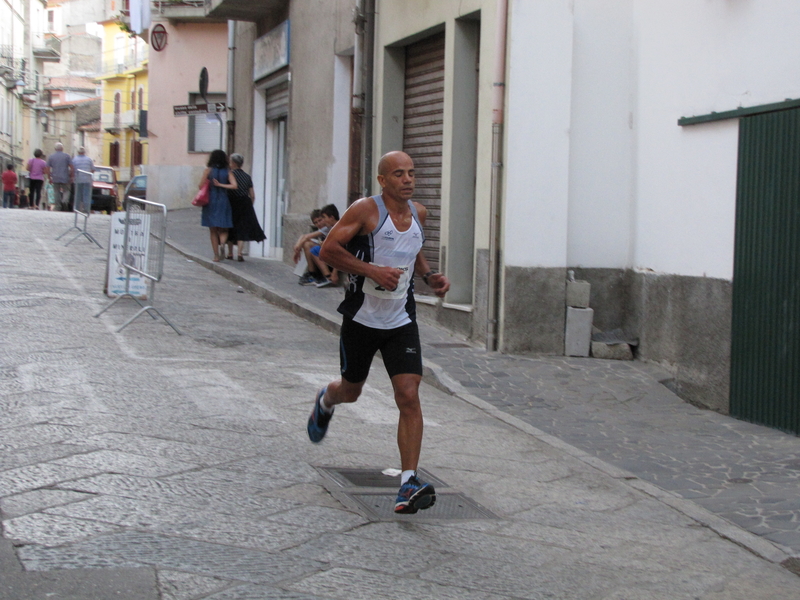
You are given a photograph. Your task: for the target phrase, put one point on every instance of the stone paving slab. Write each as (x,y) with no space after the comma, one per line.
(256,520)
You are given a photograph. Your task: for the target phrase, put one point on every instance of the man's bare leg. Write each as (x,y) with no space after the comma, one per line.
(414,495)
(336,392)
(410,425)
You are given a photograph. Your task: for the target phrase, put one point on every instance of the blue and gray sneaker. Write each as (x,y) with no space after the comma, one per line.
(318,421)
(307,279)
(414,495)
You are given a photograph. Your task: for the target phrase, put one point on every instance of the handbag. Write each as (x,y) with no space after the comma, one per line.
(201,199)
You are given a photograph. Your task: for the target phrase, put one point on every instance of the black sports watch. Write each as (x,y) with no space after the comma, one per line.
(428,274)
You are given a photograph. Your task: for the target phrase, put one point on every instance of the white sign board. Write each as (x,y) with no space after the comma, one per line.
(138,235)
(271,51)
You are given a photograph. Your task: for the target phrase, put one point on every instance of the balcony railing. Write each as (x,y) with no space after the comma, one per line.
(128,62)
(128,119)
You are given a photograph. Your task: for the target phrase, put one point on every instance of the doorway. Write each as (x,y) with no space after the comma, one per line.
(765,328)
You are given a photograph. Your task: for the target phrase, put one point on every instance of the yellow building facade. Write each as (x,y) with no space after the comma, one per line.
(124,84)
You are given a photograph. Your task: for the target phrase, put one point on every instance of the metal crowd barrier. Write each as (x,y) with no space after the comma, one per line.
(143,253)
(81,210)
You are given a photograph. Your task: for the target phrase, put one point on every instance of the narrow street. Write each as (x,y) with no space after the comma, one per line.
(144,464)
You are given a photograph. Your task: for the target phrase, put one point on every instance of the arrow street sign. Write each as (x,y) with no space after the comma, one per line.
(187,110)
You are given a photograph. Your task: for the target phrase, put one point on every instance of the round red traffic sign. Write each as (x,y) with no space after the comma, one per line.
(158,38)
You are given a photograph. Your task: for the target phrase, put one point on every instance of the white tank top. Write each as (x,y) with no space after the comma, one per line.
(387,309)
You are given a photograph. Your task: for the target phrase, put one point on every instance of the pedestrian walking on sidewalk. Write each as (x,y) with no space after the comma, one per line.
(9,186)
(379,242)
(37,167)
(217,213)
(84,167)
(60,173)
(242,197)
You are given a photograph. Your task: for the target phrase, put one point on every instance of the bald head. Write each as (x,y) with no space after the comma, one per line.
(390,159)
(59,147)
(396,176)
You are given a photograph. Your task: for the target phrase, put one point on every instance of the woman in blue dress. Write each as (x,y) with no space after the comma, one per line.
(217,214)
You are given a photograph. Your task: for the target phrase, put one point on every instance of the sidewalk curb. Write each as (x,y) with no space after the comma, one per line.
(436,376)
(759,546)
(328,321)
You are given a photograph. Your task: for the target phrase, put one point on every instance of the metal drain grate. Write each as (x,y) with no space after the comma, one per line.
(447,507)
(359,489)
(374,478)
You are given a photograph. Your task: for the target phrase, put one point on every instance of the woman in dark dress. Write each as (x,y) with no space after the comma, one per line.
(217,213)
(241,197)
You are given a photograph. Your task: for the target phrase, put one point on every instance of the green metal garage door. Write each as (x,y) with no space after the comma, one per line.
(765,350)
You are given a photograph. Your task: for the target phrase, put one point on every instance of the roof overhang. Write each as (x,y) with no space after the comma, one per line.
(244,10)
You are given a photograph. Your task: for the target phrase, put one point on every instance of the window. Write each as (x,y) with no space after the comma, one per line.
(117,109)
(136,152)
(113,154)
(205,131)
(51,21)
(141,98)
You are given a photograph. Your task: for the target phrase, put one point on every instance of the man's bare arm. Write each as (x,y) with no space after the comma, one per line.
(436,281)
(360,218)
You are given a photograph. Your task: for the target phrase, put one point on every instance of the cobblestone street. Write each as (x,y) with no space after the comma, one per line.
(144,464)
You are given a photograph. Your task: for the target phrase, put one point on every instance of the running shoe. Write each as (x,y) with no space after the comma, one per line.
(414,495)
(325,283)
(307,279)
(318,421)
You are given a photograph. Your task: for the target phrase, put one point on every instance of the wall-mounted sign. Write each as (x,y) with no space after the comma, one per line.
(158,37)
(188,110)
(271,51)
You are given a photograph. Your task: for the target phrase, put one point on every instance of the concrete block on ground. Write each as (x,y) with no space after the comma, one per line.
(612,351)
(578,333)
(578,294)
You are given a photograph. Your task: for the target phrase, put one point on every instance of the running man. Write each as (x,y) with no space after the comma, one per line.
(379,242)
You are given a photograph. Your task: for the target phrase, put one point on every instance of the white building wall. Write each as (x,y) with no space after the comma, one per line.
(602,140)
(338,168)
(643,192)
(537,133)
(686,177)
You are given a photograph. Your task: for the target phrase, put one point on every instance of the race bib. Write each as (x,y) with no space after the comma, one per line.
(373,289)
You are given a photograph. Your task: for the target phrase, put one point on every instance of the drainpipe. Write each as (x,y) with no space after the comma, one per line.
(358,58)
(357,99)
(498,102)
(369,75)
(230,142)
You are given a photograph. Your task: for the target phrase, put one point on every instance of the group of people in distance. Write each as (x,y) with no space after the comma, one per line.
(308,247)
(61,170)
(229,214)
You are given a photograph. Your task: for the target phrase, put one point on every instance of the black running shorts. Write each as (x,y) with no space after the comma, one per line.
(400,349)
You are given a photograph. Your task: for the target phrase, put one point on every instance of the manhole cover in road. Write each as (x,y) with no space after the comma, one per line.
(358,488)
(447,507)
(374,478)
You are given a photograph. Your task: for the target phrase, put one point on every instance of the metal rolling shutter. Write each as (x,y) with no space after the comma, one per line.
(278,101)
(423,116)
